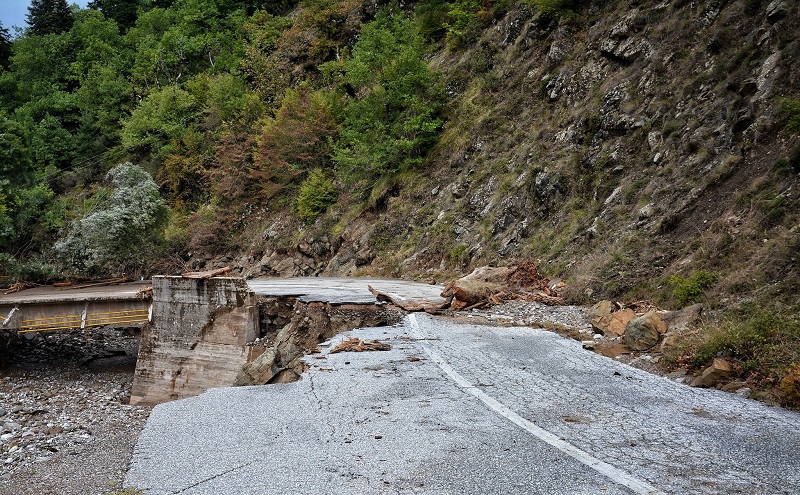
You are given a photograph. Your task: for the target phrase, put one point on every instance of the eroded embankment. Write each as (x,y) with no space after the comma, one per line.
(290,328)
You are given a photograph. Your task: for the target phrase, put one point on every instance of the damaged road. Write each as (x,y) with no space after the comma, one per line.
(459,408)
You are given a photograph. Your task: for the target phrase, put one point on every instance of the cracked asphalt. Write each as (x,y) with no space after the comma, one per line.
(467,409)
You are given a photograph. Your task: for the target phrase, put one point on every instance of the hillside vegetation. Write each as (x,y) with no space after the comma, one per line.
(638,150)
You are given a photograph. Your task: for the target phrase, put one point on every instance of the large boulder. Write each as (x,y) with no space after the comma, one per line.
(682,319)
(643,332)
(613,324)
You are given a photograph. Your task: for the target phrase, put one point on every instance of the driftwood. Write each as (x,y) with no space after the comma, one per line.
(67,283)
(488,286)
(411,306)
(358,345)
(19,286)
(145,293)
(206,274)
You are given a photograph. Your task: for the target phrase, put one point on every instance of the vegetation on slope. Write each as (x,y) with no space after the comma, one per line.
(647,150)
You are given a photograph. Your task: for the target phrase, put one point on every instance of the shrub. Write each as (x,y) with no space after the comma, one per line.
(790,385)
(686,291)
(791,109)
(317,193)
(389,105)
(762,342)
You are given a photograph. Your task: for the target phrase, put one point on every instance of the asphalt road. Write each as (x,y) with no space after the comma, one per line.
(483,410)
(349,290)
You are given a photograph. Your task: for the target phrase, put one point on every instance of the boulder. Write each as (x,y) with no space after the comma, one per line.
(719,370)
(611,349)
(682,319)
(613,324)
(601,308)
(777,10)
(643,332)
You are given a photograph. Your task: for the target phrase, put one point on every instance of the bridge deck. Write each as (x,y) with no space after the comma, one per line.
(49,308)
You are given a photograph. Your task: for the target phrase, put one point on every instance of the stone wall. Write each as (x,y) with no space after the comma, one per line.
(197,338)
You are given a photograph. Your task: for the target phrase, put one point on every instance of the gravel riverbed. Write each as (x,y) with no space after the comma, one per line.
(65,425)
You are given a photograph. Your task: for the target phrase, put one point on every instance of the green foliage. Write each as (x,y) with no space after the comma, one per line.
(389,112)
(5,47)
(49,17)
(760,341)
(11,269)
(459,255)
(689,290)
(791,109)
(466,17)
(123,12)
(316,194)
(163,116)
(124,231)
(555,6)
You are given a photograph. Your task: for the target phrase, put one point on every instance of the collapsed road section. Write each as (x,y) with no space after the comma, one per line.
(222,331)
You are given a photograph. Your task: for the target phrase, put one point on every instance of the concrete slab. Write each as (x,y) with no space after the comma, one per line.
(344,290)
(50,294)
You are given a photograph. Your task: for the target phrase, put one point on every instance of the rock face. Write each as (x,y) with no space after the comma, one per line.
(719,370)
(643,332)
(613,324)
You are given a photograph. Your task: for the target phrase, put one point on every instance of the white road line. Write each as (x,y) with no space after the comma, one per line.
(615,474)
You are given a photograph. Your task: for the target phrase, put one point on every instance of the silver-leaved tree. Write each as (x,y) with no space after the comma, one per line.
(123,232)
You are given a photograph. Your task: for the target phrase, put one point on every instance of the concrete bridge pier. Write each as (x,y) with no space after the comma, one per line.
(197,337)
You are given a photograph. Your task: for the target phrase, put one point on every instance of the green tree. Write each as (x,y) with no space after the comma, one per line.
(49,17)
(5,47)
(124,232)
(122,11)
(389,115)
(317,193)
(162,117)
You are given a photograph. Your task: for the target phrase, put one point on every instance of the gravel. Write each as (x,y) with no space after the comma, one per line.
(66,427)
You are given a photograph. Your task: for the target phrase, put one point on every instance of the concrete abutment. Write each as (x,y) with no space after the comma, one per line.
(217,332)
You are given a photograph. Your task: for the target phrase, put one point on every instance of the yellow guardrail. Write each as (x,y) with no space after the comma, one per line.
(74,321)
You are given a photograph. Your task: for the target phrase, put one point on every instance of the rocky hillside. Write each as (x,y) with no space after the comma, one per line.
(617,145)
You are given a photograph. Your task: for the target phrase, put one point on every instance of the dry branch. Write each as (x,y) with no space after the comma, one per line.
(206,274)
(358,345)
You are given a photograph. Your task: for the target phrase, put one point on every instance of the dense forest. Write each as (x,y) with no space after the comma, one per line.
(638,150)
(226,104)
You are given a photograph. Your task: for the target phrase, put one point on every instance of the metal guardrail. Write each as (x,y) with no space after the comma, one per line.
(83,320)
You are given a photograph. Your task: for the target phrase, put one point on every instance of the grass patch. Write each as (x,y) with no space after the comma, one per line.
(763,344)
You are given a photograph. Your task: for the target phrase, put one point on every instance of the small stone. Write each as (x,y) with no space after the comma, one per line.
(719,370)
(744,392)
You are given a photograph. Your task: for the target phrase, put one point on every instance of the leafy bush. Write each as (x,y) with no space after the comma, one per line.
(317,193)
(689,290)
(126,230)
(12,269)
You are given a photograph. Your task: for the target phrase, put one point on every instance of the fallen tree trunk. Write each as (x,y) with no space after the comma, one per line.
(488,286)
(206,274)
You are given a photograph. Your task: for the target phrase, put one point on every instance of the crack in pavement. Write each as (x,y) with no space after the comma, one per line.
(210,478)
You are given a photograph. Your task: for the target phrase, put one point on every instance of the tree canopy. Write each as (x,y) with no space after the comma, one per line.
(49,17)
